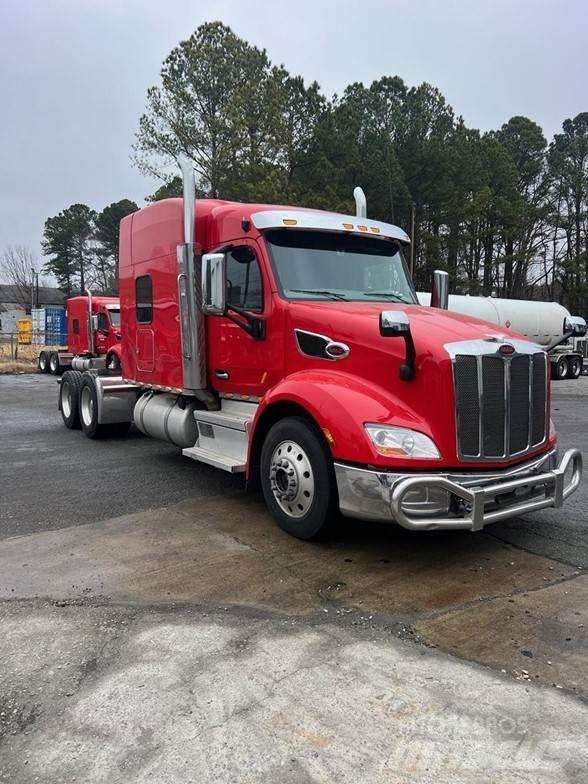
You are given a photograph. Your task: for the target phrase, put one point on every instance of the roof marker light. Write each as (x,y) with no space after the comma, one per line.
(374,229)
(348,225)
(362,228)
(289,222)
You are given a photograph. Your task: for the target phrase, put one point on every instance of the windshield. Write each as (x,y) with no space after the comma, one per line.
(114,317)
(320,265)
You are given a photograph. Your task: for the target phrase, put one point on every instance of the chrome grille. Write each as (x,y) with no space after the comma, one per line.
(500,403)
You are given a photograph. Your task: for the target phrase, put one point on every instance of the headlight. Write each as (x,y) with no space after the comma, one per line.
(402,442)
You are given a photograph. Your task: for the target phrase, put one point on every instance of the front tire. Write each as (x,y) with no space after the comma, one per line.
(69,398)
(297,478)
(113,362)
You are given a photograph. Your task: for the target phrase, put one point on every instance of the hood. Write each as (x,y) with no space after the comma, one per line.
(425,403)
(358,322)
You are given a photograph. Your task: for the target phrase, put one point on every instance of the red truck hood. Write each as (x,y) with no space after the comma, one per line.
(425,403)
(358,322)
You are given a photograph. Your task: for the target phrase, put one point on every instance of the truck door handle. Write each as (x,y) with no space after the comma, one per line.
(222,374)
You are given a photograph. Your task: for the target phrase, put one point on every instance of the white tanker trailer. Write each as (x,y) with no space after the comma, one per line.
(547,323)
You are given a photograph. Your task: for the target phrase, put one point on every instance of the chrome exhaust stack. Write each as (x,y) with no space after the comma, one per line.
(90,327)
(360,202)
(190,292)
(189,183)
(440,291)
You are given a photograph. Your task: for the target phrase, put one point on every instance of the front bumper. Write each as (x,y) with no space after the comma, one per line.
(458,500)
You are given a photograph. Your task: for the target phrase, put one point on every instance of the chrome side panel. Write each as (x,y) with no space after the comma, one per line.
(191,317)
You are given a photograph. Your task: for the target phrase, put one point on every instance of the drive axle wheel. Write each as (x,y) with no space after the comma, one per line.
(297,478)
(54,366)
(574,367)
(89,407)
(560,369)
(43,362)
(69,397)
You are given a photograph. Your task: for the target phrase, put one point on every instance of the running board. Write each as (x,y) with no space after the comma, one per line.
(223,436)
(224,462)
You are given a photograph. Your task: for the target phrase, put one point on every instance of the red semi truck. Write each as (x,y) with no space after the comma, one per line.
(288,344)
(93,336)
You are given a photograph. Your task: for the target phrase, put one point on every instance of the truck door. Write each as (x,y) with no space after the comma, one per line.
(145,346)
(101,335)
(237,362)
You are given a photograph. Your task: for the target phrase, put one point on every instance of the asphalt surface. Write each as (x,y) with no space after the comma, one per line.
(53,478)
(155,625)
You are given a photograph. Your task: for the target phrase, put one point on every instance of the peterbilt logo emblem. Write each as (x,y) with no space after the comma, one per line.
(506,350)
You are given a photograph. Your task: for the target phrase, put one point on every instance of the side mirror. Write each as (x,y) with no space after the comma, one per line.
(576,325)
(440,290)
(395,323)
(95,323)
(214,284)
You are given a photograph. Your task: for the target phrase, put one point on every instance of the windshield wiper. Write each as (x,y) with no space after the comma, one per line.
(320,292)
(386,294)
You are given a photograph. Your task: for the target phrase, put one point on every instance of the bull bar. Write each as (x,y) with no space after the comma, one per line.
(375,495)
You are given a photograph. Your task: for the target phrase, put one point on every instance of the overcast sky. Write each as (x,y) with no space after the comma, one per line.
(74,73)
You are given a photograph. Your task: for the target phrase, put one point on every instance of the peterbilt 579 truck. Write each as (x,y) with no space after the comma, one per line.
(547,323)
(288,344)
(93,336)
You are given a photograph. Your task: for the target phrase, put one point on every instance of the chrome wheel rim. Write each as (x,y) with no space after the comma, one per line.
(87,406)
(53,364)
(43,362)
(291,479)
(66,405)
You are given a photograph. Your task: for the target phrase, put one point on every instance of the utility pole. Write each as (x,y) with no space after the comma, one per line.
(412,210)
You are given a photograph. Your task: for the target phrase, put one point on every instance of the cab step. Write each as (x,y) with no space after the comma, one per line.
(224,462)
(223,436)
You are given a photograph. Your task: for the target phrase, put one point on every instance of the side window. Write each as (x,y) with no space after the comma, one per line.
(76,326)
(103,322)
(144,299)
(244,288)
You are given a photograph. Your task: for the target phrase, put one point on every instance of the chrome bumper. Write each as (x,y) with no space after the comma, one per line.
(458,500)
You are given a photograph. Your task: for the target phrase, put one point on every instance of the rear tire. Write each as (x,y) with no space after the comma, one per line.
(88,407)
(88,411)
(297,478)
(560,369)
(574,367)
(54,366)
(69,398)
(44,362)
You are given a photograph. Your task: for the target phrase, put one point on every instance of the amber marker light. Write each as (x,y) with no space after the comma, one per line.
(290,222)
(328,436)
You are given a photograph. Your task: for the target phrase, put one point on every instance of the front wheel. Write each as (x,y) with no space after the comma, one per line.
(297,478)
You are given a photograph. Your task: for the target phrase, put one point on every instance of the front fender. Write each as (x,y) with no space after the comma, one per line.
(342,403)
